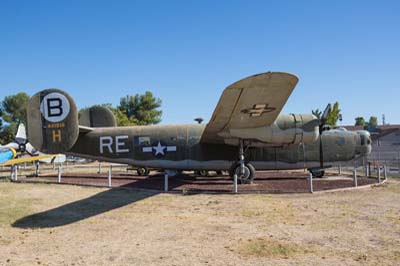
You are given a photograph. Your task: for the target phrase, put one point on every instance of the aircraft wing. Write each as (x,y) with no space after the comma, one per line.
(252,102)
(27,159)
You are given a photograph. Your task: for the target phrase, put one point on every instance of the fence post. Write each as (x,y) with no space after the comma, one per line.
(99,172)
(379,174)
(109,177)
(14,173)
(235,184)
(385,172)
(165,182)
(37,171)
(310,180)
(398,161)
(59,173)
(369,168)
(340,169)
(355,177)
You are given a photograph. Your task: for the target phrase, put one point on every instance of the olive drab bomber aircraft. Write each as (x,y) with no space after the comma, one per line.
(246,133)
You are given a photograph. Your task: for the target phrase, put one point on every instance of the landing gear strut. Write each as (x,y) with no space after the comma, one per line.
(244,171)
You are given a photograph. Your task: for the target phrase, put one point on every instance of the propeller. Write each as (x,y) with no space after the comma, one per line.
(21,143)
(322,123)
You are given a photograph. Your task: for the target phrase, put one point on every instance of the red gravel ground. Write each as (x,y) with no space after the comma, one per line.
(265,182)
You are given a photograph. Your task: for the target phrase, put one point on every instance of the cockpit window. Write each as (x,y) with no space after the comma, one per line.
(363,140)
(141,140)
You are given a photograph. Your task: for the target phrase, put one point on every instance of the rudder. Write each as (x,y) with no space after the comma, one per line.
(52,120)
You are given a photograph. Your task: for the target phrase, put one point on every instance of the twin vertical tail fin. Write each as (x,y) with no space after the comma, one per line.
(52,120)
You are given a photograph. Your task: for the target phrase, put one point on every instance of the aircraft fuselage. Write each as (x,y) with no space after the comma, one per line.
(179,147)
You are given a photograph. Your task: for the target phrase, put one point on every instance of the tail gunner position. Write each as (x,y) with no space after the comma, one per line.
(246,133)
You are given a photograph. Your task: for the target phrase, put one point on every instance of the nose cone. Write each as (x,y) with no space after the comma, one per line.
(365,143)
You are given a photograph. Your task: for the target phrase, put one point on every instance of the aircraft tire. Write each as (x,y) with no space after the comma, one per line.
(203,172)
(142,171)
(249,171)
(319,174)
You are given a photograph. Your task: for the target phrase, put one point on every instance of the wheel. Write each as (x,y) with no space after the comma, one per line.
(318,174)
(203,172)
(142,171)
(249,173)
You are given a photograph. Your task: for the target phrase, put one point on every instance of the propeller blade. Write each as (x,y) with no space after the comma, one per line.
(309,126)
(20,138)
(324,116)
(30,149)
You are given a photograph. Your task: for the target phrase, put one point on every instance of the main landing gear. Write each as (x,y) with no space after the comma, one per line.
(244,171)
(143,171)
(317,173)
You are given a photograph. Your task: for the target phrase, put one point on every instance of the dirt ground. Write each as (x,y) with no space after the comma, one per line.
(50,224)
(295,181)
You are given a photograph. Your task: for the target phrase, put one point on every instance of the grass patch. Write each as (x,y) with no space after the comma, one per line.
(10,211)
(14,204)
(270,248)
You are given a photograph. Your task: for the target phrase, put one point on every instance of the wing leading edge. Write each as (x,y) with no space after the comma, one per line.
(27,159)
(252,102)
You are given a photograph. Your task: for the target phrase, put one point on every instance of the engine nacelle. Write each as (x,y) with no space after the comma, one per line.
(7,154)
(287,130)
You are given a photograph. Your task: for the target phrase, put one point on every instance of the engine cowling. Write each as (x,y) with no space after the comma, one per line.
(7,154)
(292,129)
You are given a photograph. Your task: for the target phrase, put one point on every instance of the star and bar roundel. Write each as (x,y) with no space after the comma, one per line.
(258,110)
(159,149)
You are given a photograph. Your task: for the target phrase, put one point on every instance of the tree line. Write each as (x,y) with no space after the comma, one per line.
(334,116)
(138,109)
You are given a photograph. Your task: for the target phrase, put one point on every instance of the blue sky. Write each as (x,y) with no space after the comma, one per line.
(187,52)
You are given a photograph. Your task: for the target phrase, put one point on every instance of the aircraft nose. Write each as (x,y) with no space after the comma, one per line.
(365,146)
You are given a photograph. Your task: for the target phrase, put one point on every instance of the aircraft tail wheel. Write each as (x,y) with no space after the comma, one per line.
(249,173)
(143,171)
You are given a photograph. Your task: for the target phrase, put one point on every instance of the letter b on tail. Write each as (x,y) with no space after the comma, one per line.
(52,121)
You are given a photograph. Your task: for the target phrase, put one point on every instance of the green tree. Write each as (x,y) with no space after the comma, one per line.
(317,113)
(14,107)
(373,121)
(360,121)
(143,108)
(13,111)
(333,115)
(122,119)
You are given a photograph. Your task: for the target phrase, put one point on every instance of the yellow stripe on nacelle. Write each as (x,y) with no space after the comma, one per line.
(14,153)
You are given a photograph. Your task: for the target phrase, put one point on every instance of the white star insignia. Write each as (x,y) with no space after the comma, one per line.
(159,149)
